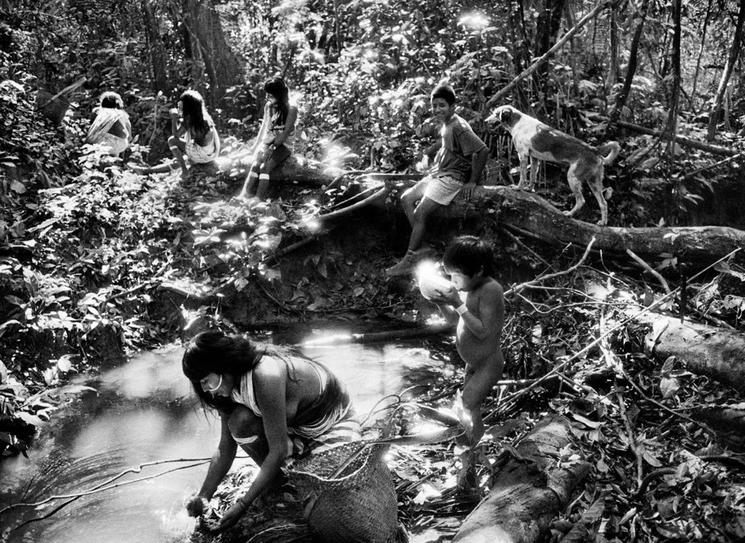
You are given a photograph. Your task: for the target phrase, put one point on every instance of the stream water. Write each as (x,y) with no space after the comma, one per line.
(145,412)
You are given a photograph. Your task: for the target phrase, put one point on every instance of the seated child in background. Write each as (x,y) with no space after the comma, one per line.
(460,159)
(271,148)
(200,142)
(468,261)
(111,127)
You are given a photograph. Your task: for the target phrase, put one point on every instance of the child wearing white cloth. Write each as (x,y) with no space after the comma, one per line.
(111,128)
(201,143)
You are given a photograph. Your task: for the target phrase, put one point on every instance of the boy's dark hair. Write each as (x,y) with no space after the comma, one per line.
(445,92)
(469,255)
(111,100)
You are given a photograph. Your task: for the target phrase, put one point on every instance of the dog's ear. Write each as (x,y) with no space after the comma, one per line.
(505,115)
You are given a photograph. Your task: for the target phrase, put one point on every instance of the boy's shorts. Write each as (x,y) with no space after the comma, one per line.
(441,187)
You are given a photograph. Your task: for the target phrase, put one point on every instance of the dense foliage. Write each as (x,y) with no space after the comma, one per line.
(96,260)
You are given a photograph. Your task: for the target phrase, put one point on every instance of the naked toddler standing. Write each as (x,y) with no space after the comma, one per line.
(480,314)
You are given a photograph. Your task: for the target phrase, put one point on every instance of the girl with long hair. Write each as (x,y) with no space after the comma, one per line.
(200,142)
(272,143)
(273,404)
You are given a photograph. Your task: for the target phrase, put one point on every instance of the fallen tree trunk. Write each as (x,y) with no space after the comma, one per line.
(529,491)
(727,420)
(531,215)
(706,350)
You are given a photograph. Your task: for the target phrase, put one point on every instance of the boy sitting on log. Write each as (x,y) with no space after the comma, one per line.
(460,159)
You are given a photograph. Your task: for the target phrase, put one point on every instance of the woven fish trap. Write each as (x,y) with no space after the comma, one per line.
(351,494)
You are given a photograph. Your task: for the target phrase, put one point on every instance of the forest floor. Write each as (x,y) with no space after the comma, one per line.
(134,261)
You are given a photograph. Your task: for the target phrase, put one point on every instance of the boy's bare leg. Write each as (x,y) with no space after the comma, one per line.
(410,197)
(425,208)
(417,215)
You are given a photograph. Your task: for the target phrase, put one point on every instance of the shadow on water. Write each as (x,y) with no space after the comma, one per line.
(145,411)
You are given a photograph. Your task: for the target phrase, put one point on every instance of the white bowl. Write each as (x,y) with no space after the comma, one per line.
(432,284)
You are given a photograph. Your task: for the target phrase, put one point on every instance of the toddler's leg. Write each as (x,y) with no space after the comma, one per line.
(476,388)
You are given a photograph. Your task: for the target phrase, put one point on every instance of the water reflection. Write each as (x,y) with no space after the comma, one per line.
(145,411)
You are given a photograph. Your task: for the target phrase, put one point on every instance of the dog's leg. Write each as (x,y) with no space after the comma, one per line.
(534,165)
(596,186)
(575,184)
(523,171)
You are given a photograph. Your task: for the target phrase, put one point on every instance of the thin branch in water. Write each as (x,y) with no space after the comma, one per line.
(137,469)
(97,489)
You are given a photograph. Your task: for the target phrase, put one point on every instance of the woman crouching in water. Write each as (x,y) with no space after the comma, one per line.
(272,404)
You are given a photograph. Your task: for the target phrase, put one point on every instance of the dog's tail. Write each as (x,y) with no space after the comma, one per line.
(614,149)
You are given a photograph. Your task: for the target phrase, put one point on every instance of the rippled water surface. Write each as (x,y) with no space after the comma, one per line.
(145,412)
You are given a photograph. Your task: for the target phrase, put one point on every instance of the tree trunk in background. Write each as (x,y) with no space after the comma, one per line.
(700,54)
(672,118)
(155,47)
(547,28)
(203,24)
(631,70)
(716,108)
(613,61)
(520,50)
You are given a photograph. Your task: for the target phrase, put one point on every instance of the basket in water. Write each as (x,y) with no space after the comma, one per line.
(351,494)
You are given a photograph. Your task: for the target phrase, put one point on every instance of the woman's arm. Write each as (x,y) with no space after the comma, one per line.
(219,466)
(270,385)
(289,126)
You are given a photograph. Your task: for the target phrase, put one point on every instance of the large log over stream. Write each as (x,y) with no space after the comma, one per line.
(534,485)
(529,214)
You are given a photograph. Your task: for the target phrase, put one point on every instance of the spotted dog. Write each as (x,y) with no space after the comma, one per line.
(535,141)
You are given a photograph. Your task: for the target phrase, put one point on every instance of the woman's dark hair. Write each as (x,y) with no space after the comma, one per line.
(216,352)
(445,92)
(469,255)
(278,88)
(196,117)
(111,100)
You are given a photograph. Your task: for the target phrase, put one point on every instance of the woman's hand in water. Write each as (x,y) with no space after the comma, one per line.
(196,506)
(232,515)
